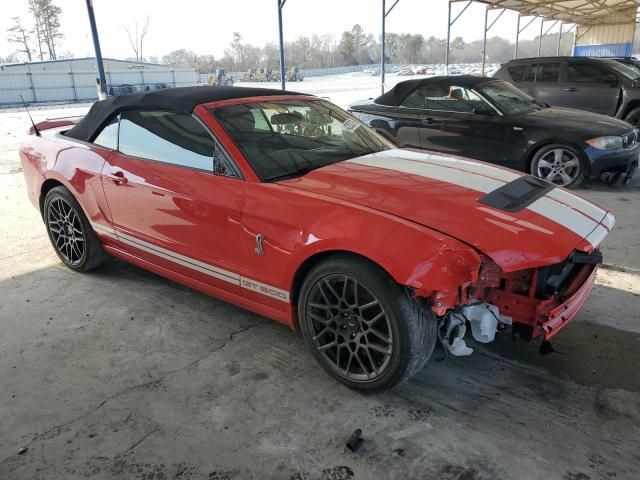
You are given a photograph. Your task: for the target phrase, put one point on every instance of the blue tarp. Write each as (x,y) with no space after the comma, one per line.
(609,50)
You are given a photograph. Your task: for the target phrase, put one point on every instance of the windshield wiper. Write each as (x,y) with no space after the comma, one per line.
(292,173)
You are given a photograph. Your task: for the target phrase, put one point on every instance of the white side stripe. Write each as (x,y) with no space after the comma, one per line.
(211,270)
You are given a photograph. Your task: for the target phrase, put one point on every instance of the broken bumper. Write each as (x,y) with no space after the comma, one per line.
(559,316)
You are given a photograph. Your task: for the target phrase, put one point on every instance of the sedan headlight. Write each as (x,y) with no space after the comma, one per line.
(606,143)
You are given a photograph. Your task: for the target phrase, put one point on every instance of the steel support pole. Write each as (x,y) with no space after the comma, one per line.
(559,40)
(446,52)
(540,37)
(484,39)
(96,45)
(280,5)
(515,53)
(382,42)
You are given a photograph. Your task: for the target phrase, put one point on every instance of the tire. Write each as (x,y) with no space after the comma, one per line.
(409,329)
(633,117)
(559,164)
(70,233)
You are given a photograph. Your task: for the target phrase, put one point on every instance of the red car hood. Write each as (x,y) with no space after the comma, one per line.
(442,192)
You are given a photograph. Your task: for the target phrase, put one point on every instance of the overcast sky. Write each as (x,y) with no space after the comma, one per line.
(206,26)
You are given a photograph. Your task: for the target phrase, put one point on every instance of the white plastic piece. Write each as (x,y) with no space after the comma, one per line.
(484,321)
(459,348)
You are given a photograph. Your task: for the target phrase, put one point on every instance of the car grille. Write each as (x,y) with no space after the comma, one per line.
(630,139)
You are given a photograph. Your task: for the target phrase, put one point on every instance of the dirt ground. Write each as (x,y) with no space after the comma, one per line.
(123,374)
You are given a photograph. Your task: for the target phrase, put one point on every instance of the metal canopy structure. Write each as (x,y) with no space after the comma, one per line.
(582,12)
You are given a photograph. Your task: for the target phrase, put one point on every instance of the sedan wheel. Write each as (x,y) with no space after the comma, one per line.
(363,328)
(558,164)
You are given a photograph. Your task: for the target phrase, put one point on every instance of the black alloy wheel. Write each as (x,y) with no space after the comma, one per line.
(364,329)
(70,232)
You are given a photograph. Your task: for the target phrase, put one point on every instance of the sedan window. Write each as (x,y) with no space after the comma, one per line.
(288,138)
(543,73)
(444,97)
(508,98)
(169,137)
(587,73)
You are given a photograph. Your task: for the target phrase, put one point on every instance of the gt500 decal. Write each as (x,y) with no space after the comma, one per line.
(207,269)
(264,289)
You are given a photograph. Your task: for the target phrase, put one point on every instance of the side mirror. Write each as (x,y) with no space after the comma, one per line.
(612,80)
(483,110)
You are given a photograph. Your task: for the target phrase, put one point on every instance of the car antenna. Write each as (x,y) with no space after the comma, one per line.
(35,129)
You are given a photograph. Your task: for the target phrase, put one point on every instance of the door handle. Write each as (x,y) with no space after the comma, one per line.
(118,178)
(571,89)
(427,120)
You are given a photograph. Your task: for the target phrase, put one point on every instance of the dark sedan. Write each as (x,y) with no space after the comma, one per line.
(493,121)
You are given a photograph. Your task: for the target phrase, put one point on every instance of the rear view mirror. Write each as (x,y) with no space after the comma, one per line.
(286,118)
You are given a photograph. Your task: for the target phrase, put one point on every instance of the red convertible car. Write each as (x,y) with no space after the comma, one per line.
(286,205)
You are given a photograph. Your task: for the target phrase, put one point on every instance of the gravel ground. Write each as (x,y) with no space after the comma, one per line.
(123,374)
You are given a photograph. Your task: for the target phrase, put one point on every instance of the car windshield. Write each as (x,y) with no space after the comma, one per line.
(508,98)
(626,71)
(288,138)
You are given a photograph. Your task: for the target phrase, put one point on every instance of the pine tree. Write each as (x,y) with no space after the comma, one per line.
(18,34)
(46,17)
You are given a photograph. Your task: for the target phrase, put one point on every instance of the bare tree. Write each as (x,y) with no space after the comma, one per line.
(46,17)
(19,35)
(136,37)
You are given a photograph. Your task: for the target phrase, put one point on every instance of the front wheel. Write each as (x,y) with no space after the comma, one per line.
(633,117)
(559,164)
(362,327)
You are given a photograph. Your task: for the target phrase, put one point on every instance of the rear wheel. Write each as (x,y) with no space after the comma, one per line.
(559,164)
(70,232)
(362,327)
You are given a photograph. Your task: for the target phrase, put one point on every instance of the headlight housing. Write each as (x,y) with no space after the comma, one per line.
(613,142)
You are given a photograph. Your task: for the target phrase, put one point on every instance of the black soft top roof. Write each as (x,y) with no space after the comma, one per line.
(397,94)
(181,99)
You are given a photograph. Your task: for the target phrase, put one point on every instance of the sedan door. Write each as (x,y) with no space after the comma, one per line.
(169,204)
(591,87)
(458,121)
(542,82)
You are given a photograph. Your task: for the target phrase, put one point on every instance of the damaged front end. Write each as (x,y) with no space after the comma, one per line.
(536,302)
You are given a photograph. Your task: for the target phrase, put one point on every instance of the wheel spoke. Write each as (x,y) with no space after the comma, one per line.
(327,345)
(571,163)
(378,348)
(566,178)
(380,335)
(374,369)
(558,153)
(542,163)
(369,305)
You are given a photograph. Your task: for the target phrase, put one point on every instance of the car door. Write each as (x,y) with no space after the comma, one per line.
(591,87)
(457,120)
(174,196)
(542,82)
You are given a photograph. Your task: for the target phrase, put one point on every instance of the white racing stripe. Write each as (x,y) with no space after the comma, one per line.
(579,203)
(469,166)
(597,236)
(207,269)
(431,170)
(568,210)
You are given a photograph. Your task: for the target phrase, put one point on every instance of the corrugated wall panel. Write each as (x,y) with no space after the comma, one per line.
(605,34)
